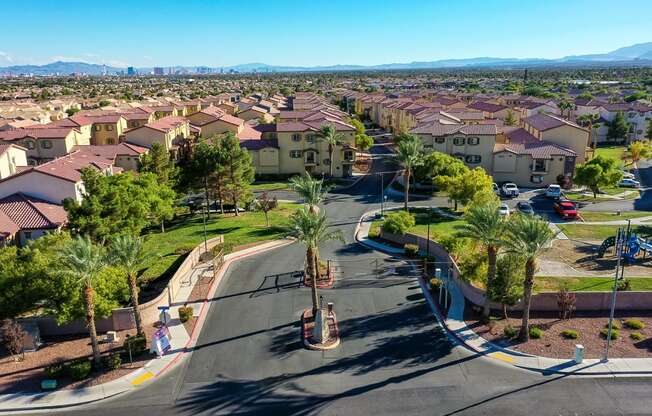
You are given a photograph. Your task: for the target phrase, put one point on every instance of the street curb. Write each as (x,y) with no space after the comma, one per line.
(185,351)
(314,347)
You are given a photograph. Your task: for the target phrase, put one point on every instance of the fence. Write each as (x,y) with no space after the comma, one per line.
(541,302)
(123,318)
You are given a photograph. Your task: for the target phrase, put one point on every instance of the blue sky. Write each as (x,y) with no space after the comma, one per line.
(313,32)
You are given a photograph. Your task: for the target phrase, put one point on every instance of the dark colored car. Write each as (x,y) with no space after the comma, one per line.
(525,208)
(566,209)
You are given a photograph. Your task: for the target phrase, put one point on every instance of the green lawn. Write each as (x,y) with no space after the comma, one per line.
(184,235)
(581,231)
(611,216)
(586,284)
(614,152)
(270,186)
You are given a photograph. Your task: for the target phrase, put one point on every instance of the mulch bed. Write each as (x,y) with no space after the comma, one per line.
(308,324)
(553,345)
(324,281)
(26,375)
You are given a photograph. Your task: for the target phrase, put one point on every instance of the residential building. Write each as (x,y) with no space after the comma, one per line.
(45,144)
(12,158)
(107,128)
(554,129)
(24,218)
(171,132)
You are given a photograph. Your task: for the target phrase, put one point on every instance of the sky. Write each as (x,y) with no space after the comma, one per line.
(313,32)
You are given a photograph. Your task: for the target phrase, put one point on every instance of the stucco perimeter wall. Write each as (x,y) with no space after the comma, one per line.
(542,302)
(122,318)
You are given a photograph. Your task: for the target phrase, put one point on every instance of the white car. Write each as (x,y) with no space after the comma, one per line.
(510,189)
(553,191)
(628,175)
(503,210)
(495,188)
(629,183)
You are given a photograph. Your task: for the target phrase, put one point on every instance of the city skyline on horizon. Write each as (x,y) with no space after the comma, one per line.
(222,34)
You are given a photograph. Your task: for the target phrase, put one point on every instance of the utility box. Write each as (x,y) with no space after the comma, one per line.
(579,353)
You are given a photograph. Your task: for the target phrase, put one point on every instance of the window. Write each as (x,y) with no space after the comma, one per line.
(474,141)
(296,137)
(46,144)
(458,141)
(295,154)
(110,141)
(29,144)
(109,127)
(348,155)
(310,157)
(97,127)
(473,158)
(440,140)
(28,235)
(327,162)
(459,156)
(310,138)
(539,165)
(536,178)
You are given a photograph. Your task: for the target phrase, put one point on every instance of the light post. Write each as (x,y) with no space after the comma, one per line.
(622,237)
(382,193)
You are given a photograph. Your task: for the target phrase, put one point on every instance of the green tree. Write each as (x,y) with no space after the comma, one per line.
(398,222)
(311,229)
(508,284)
(648,132)
(204,163)
(486,226)
(72,111)
(440,164)
(618,128)
(463,188)
(310,190)
(239,170)
(359,127)
(83,260)
(363,142)
(128,253)
(510,119)
(329,135)
(639,150)
(265,204)
(597,172)
(409,155)
(158,162)
(528,236)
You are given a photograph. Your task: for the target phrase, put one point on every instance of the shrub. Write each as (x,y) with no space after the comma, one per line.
(636,336)
(570,334)
(624,285)
(374,232)
(185,313)
(535,332)
(634,324)
(435,283)
(614,325)
(509,331)
(112,361)
(136,344)
(79,369)
(615,334)
(12,335)
(411,249)
(183,250)
(398,222)
(566,302)
(55,370)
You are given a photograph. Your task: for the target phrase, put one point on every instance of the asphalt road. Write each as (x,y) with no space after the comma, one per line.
(394,358)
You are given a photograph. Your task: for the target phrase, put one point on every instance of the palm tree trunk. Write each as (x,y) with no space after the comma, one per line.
(330,156)
(406,176)
(90,321)
(133,292)
(505,311)
(266,218)
(208,211)
(162,225)
(310,258)
(491,274)
(528,283)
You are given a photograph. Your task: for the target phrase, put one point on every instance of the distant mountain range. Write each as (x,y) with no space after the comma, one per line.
(634,55)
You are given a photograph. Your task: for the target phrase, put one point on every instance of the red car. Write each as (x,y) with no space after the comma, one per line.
(566,210)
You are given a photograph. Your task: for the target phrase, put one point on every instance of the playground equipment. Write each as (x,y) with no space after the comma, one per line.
(634,247)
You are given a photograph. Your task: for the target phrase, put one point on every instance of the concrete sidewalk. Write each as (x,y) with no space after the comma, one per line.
(459,332)
(181,346)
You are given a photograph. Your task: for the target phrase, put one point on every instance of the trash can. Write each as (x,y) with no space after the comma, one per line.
(579,353)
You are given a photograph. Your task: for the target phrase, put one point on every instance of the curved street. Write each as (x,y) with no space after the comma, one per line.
(394,357)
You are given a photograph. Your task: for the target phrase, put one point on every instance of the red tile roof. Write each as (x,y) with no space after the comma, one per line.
(543,122)
(538,150)
(439,129)
(24,212)
(488,107)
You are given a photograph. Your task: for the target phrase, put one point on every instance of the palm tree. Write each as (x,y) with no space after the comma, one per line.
(409,156)
(128,253)
(311,229)
(311,190)
(528,236)
(485,225)
(329,134)
(84,260)
(589,120)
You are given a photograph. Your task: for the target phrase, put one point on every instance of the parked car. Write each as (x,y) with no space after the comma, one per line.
(495,188)
(510,190)
(629,183)
(628,175)
(553,191)
(525,208)
(503,210)
(566,209)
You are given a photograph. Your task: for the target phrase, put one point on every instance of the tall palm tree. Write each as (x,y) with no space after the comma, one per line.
(311,229)
(328,134)
(409,156)
(528,236)
(128,253)
(311,190)
(485,225)
(84,260)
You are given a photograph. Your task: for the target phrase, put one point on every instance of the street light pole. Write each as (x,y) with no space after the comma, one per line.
(620,242)
(382,193)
